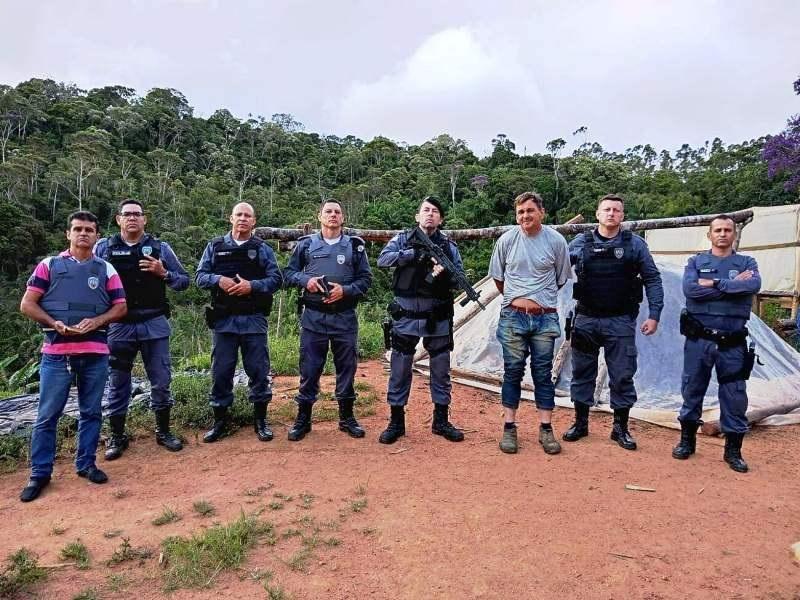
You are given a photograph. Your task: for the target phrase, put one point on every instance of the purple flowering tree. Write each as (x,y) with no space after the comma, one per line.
(782,152)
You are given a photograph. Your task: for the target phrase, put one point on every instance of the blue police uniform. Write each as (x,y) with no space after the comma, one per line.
(422,308)
(611,273)
(345,263)
(144,329)
(239,322)
(714,325)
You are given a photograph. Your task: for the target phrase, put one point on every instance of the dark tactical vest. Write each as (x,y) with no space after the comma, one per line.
(245,260)
(336,262)
(714,267)
(409,279)
(145,293)
(77,291)
(609,283)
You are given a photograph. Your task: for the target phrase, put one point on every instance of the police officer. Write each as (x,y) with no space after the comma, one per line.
(612,265)
(422,308)
(333,271)
(719,287)
(242,274)
(146,266)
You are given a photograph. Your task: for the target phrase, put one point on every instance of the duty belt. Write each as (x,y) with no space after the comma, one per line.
(582,309)
(692,328)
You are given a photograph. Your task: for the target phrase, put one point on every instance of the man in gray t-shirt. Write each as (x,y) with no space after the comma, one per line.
(529,264)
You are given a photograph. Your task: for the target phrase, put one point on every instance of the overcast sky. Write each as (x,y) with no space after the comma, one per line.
(633,71)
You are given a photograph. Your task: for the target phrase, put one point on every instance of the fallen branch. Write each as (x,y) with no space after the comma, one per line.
(638,488)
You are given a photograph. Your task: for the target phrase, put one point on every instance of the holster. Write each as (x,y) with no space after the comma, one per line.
(568,325)
(386,325)
(214,314)
(694,329)
(747,367)
(584,342)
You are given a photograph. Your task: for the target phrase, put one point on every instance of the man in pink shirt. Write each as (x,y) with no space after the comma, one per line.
(73,296)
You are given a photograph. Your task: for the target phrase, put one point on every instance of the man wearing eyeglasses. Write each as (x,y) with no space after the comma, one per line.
(146,266)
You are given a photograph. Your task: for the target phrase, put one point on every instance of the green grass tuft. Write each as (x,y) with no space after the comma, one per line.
(78,552)
(169,515)
(22,570)
(204,508)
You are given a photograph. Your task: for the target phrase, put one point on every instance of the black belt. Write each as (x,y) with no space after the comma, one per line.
(601,314)
(539,310)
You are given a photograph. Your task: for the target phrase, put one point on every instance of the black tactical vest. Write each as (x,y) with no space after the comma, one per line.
(409,280)
(145,293)
(608,283)
(244,260)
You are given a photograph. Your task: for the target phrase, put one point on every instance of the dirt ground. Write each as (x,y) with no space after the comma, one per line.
(426,518)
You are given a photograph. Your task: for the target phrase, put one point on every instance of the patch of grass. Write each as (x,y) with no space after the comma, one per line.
(306,521)
(78,552)
(117,582)
(194,562)
(13,450)
(291,533)
(358,506)
(333,542)
(257,491)
(22,570)
(87,594)
(58,530)
(284,497)
(204,508)
(299,560)
(275,592)
(275,505)
(126,552)
(307,500)
(169,515)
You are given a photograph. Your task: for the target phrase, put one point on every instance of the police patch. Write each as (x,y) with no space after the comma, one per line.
(93,282)
(340,259)
(147,250)
(251,254)
(360,248)
(732,274)
(619,252)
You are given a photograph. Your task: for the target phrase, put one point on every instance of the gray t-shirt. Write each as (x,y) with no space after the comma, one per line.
(532,267)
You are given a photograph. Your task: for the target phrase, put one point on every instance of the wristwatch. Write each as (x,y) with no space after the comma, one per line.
(716,283)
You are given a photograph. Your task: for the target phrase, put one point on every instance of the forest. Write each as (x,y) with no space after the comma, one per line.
(63,148)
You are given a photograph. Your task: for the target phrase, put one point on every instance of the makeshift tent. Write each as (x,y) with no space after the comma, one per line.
(773,388)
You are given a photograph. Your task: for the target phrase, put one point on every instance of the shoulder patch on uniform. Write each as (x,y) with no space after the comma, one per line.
(358,244)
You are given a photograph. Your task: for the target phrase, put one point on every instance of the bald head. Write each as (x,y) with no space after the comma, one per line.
(243,221)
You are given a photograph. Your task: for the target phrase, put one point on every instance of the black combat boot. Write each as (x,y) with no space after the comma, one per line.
(688,443)
(619,432)
(580,428)
(163,435)
(396,428)
(302,424)
(443,427)
(220,427)
(347,421)
(118,442)
(733,452)
(260,425)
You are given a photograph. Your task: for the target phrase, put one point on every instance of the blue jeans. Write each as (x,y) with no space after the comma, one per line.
(56,375)
(521,336)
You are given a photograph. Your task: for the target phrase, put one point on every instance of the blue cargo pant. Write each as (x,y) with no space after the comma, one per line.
(255,359)
(617,337)
(699,357)
(403,347)
(314,351)
(522,335)
(157,365)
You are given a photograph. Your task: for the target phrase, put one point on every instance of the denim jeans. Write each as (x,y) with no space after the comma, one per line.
(56,375)
(521,335)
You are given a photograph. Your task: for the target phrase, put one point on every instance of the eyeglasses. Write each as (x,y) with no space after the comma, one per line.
(131,215)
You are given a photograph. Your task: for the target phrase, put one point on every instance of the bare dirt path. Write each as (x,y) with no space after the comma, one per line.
(426,518)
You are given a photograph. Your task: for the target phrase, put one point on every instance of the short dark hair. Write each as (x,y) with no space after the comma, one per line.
(129,201)
(722,217)
(82,215)
(525,196)
(613,198)
(330,201)
(435,202)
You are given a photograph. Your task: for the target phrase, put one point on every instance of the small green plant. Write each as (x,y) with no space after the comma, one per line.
(307,500)
(275,592)
(78,552)
(291,533)
(333,542)
(275,505)
(257,491)
(358,505)
(284,497)
(22,570)
(195,561)
(117,582)
(87,594)
(169,515)
(204,508)
(58,530)
(126,552)
(299,560)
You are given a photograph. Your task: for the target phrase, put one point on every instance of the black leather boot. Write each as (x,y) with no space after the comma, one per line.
(347,421)
(220,427)
(619,432)
(260,425)
(688,443)
(733,452)
(442,426)
(302,424)
(163,435)
(396,428)
(118,442)
(580,428)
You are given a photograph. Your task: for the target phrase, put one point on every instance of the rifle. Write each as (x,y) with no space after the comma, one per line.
(418,239)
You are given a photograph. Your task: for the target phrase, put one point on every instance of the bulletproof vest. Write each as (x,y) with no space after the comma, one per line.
(335,261)
(145,293)
(608,283)
(714,267)
(409,279)
(77,291)
(245,260)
